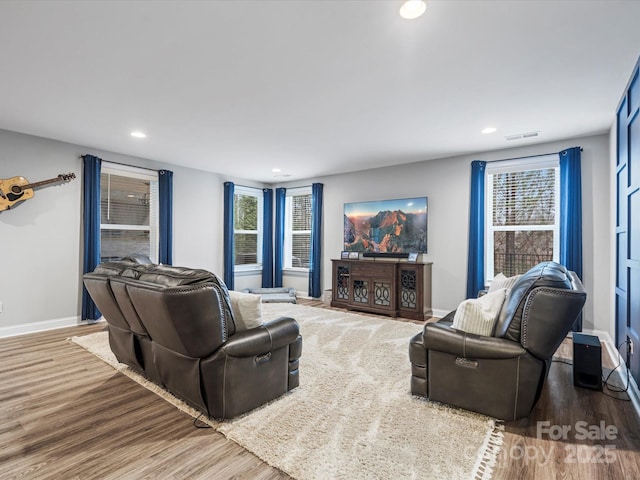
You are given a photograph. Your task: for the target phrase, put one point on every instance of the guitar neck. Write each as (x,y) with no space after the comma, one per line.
(42,183)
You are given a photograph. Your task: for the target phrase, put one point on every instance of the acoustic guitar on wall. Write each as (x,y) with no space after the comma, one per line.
(18,189)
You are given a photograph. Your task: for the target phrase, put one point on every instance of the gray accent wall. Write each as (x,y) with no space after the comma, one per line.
(446,182)
(40,241)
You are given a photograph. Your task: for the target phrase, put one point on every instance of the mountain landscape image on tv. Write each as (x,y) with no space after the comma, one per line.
(386,226)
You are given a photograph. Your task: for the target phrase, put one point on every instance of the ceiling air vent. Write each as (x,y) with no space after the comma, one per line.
(520,136)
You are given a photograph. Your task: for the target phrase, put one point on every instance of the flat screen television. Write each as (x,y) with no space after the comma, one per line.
(386,226)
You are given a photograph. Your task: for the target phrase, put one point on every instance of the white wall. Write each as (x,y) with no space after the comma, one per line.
(40,240)
(446,183)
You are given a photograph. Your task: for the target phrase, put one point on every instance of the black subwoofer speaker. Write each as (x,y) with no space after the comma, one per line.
(587,361)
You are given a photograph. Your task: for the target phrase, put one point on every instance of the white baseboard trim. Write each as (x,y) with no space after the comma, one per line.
(616,358)
(34,327)
(439,313)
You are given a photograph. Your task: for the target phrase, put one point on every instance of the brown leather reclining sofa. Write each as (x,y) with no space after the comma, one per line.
(175,325)
(501,375)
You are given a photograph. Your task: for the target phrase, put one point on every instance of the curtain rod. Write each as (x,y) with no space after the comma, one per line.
(128,165)
(247,186)
(263,188)
(527,156)
(268,188)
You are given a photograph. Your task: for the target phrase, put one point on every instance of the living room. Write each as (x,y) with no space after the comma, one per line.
(42,241)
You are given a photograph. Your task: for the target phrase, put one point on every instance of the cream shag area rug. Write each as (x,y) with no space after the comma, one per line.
(353,416)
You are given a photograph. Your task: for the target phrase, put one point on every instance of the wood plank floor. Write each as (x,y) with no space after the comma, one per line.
(64,414)
(67,415)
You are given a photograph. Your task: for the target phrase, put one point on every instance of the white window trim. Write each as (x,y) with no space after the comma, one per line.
(518,165)
(153,228)
(288,231)
(296,272)
(115,226)
(129,171)
(251,268)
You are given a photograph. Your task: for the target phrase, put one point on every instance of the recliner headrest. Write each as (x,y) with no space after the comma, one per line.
(112,268)
(176,276)
(545,274)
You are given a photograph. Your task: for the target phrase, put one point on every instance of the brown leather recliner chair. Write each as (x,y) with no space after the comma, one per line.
(176,326)
(501,376)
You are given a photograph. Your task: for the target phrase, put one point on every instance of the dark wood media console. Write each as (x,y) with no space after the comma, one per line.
(394,288)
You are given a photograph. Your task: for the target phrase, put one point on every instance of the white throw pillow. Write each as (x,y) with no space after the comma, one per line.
(247,310)
(479,315)
(500,281)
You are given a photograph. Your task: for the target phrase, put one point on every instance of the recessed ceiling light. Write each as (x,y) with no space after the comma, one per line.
(489,130)
(412,9)
(138,134)
(275,170)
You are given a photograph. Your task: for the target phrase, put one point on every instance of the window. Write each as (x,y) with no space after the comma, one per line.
(523,212)
(297,243)
(128,212)
(247,228)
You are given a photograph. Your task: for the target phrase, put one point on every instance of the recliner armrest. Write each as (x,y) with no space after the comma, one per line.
(263,339)
(443,338)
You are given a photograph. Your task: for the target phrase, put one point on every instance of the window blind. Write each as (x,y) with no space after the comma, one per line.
(524,198)
(300,230)
(523,214)
(128,213)
(247,220)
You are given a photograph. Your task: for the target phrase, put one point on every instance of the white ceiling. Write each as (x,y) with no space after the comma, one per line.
(313,87)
